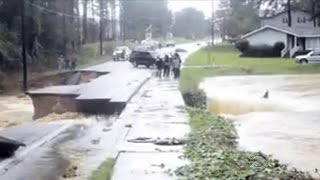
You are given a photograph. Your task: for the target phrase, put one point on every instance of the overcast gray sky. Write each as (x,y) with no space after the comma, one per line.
(203,5)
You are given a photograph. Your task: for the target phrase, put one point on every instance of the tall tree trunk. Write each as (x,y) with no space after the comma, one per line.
(93,37)
(84,23)
(101,27)
(64,29)
(113,19)
(289,13)
(72,21)
(106,20)
(123,23)
(31,31)
(78,23)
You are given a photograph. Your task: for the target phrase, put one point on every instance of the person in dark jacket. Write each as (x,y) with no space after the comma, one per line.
(166,66)
(159,65)
(176,65)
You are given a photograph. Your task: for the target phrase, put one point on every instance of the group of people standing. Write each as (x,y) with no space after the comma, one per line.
(169,64)
(67,62)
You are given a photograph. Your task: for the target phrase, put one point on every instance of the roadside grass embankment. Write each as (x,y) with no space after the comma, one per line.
(226,61)
(104,172)
(212,143)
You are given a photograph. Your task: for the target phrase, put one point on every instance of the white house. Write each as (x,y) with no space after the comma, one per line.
(304,34)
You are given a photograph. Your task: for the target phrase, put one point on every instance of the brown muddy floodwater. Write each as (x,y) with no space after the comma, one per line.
(15,110)
(286,125)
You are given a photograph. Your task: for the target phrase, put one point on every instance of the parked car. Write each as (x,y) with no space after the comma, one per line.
(180,50)
(311,57)
(170,44)
(121,53)
(142,58)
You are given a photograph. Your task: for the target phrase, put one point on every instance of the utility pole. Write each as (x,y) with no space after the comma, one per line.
(289,13)
(124,26)
(212,24)
(101,27)
(23,41)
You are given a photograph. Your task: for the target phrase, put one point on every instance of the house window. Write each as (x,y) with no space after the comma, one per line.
(302,20)
(285,20)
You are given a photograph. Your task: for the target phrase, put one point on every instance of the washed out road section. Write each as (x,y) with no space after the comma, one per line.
(85,144)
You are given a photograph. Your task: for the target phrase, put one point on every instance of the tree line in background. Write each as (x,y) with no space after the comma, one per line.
(191,23)
(55,27)
(237,17)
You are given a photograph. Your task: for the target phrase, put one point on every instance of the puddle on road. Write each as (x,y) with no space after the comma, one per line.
(287,125)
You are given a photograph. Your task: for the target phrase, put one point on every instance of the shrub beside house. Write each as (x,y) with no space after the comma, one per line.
(263,50)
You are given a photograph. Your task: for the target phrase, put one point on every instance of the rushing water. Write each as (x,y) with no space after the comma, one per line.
(285,125)
(15,110)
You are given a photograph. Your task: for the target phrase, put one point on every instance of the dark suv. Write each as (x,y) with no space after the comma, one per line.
(142,58)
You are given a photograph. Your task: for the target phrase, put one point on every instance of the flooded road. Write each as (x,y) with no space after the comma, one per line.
(73,155)
(285,125)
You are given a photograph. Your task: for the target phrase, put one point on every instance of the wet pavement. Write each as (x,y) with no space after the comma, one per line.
(285,125)
(157,114)
(157,127)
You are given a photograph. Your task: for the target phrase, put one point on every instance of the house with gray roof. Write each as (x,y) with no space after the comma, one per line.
(304,33)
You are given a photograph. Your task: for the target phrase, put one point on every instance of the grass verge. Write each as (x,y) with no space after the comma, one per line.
(104,172)
(212,146)
(228,62)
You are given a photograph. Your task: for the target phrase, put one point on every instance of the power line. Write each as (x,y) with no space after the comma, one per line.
(44,9)
(41,8)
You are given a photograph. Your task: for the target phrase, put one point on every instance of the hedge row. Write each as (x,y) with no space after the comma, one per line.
(248,50)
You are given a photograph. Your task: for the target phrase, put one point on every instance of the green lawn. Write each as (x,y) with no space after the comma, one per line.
(227,57)
(104,172)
